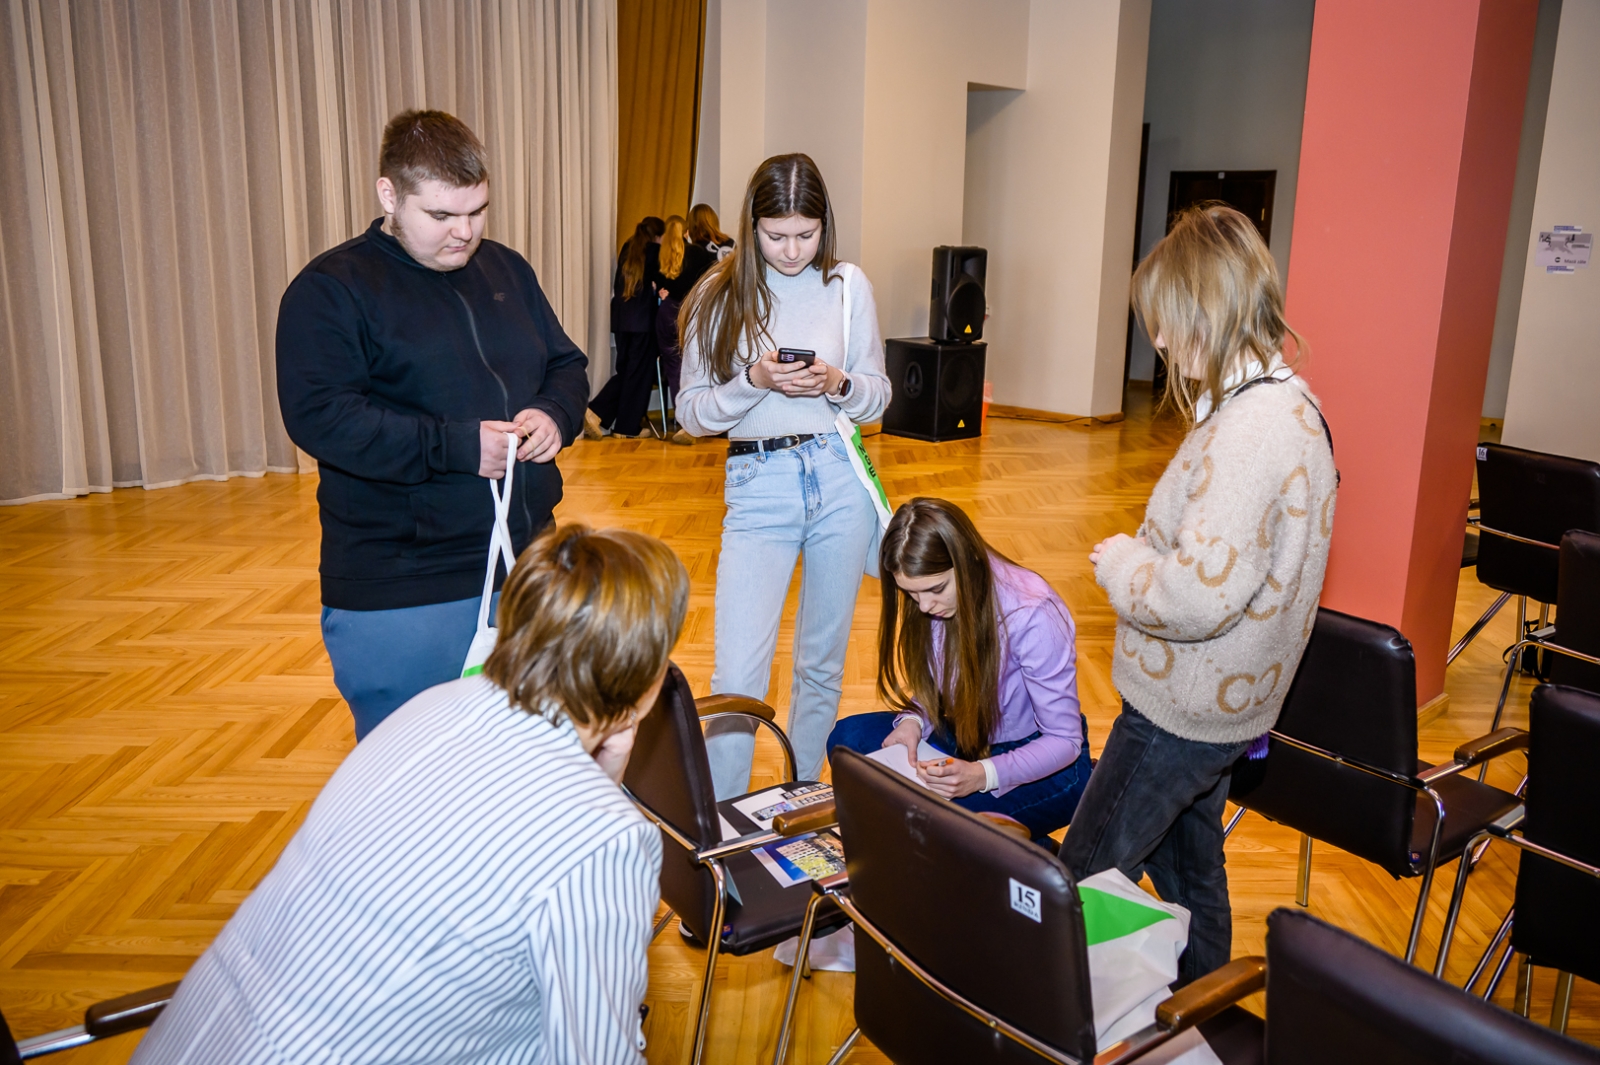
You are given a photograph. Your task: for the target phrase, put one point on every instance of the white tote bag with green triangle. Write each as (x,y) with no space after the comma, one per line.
(499,549)
(1134,941)
(848,432)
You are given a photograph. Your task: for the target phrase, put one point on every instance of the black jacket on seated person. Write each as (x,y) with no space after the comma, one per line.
(385,369)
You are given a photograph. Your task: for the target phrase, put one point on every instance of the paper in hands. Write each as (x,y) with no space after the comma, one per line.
(895,758)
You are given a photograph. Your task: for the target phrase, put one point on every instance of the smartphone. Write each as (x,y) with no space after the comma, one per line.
(793,355)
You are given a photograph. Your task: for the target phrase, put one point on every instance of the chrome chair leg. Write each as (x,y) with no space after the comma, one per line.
(1233,822)
(801,967)
(1489,952)
(1499,972)
(662,923)
(1477,627)
(1524,985)
(849,1041)
(1302,893)
(1562,1006)
(713,950)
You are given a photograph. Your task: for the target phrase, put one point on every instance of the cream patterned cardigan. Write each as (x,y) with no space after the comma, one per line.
(1216,599)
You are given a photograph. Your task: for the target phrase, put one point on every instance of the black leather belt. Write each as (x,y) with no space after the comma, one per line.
(777,443)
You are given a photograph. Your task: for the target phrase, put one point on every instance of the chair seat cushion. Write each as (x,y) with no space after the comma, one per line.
(763,913)
(1468,807)
(1236,1036)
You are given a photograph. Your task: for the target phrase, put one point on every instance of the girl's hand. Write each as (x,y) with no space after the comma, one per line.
(951,777)
(1099,549)
(768,372)
(907,734)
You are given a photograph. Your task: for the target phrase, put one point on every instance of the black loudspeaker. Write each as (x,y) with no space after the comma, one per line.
(937,389)
(956,311)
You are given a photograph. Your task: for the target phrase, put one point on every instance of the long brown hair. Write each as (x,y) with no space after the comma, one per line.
(633,254)
(732,304)
(1210,290)
(587,620)
(672,246)
(925,537)
(704,225)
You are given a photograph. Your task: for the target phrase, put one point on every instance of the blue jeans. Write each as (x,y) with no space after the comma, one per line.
(1044,805)
(1154,804)
(801,503)
(381,658)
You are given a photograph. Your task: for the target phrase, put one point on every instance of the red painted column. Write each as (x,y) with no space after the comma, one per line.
(1413,111)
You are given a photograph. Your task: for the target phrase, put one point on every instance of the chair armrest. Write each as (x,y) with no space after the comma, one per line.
(1213,993)
(811,818)
(1501,741)
(1007,824)
(734,704)
(127,1012)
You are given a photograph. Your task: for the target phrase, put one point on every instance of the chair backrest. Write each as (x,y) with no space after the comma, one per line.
(669,772)
(8,1045)
(1355,694)
(1558,909)
(1536,496)
(1333,998)
(994,918)
(1578,611)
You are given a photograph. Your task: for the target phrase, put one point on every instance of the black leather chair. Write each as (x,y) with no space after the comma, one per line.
(1333,999)
(1342,767)
(1555,918)
(719,890)
(948,970)
(1527,500)
(126,1013)
(1573,642)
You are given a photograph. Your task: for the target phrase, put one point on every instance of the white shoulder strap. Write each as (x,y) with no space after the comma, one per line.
(846,272)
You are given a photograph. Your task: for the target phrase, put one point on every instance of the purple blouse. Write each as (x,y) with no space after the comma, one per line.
(1038,678)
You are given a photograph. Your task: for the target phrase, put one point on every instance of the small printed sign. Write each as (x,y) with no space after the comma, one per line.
(1563,249)
(1025,901)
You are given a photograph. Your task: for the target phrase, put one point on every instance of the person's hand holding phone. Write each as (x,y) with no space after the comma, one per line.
(772,372)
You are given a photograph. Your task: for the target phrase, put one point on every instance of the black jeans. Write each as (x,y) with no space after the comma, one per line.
(622,403)
(1154,804)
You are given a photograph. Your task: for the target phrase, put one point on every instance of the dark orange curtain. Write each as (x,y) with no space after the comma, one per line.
(660,47)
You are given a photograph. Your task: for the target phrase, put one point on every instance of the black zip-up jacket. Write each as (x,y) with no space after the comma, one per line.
(385,369)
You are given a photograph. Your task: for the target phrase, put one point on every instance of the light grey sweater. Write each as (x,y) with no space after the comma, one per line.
(805,314)
(1216,599)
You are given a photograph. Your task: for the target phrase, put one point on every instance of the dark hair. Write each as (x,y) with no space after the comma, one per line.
(925,537)
(704,226)
(732,303)
(1210,290)
(587,620)
(423,146)
(633,253)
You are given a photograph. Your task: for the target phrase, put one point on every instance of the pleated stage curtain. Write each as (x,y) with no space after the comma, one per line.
(170,165)
(660,49)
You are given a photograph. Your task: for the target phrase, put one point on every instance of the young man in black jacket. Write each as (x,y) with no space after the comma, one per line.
(404,357)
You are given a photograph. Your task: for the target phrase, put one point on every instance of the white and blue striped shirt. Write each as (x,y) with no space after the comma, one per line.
(469,887)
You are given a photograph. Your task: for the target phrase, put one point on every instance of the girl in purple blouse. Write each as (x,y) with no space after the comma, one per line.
(977,656)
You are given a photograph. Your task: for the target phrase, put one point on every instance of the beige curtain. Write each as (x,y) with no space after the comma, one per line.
(660,51)
(171,164)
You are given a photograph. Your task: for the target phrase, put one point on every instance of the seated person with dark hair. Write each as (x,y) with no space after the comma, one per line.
(977,654)
(472,884)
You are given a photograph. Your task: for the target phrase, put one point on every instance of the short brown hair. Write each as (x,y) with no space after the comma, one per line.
(423,146)
(1210,290)
(587,620)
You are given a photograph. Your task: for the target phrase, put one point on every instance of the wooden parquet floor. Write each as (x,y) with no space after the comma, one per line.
(167,714)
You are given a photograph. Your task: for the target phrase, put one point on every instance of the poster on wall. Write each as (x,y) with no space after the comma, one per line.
(1563,249)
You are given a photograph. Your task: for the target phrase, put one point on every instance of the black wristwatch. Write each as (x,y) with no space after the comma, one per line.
(844,389)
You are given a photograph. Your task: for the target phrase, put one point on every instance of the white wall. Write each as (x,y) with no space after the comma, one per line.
(1555,372)
(708,149)
(1051,184)
(1515,263)
(877,92)
(1226,91)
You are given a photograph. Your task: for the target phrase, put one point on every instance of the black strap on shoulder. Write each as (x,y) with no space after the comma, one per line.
(1327,432)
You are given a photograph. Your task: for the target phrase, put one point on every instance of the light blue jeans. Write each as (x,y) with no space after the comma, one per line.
(802,503)
(381,658)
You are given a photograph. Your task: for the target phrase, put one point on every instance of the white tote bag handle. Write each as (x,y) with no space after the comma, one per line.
(483,640)
(859,460)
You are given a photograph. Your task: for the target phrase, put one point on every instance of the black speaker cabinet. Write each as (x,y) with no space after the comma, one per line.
(937,389)
(956,310)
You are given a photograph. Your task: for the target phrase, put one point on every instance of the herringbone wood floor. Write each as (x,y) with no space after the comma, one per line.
(168,714)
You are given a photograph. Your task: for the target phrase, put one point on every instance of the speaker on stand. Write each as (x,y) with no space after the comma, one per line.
(937,380)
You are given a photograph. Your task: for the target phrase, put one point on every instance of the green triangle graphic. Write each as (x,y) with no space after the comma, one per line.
(1107,917)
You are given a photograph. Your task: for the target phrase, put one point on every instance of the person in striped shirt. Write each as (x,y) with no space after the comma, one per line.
(472,885)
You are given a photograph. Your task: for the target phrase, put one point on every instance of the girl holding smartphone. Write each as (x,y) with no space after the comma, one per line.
(791,492)
(978,656)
